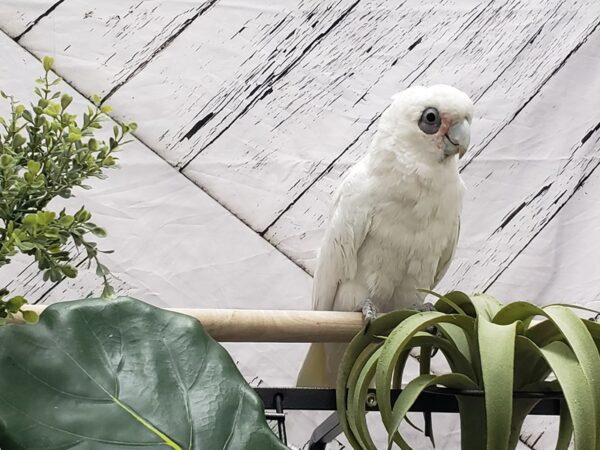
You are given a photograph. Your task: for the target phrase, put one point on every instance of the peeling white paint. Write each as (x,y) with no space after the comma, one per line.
(265,105)
(17,16)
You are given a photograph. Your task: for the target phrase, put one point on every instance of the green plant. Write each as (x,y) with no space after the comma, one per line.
(488,346)
(46,152)
(123,374)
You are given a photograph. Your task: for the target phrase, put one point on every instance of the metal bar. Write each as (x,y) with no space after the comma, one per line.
(281,419)
(434,400)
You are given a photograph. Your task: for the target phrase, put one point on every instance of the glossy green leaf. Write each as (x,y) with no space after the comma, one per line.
(123,374)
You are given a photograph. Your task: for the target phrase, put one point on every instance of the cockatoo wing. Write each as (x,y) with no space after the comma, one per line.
(446,257)
(348,227)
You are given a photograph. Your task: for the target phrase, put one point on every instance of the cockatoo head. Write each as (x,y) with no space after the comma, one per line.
(433,120)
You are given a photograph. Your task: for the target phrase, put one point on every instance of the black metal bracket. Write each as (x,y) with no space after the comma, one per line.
(434,400)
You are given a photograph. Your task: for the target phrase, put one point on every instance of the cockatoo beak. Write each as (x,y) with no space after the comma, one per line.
(457,139)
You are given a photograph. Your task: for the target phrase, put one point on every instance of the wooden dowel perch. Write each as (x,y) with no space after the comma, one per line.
(247,325)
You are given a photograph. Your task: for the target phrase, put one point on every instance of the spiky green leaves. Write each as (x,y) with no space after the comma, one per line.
(488,346)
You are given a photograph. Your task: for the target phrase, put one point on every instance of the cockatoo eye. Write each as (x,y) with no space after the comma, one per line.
(430,121)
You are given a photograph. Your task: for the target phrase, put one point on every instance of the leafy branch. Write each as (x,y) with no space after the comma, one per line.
(46,152)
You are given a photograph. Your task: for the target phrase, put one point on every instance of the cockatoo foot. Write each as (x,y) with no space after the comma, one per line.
(369,312)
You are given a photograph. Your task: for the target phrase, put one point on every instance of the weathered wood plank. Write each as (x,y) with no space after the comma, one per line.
(17,16)
(298,231)
(541,432)
(174,246)
(226,61)
(98,46)
(318,109)
(291,135)
(559,265)
(529,172)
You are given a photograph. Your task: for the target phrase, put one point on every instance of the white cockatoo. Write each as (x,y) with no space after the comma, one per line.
(395,218)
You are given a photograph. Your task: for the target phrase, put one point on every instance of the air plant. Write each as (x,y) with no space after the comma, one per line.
(494,348)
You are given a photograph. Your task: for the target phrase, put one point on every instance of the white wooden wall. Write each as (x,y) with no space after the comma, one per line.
(249,113)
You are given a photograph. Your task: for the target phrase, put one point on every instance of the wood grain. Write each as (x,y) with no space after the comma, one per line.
(18,16)
(298,230)
(529,172)
(320,107)
(559,265)
(293,135)
(99,46)
(225,62)
(247,325)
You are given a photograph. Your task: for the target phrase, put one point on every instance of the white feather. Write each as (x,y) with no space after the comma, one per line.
(395,218)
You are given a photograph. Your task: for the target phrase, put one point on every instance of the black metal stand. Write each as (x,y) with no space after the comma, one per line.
(326,432)
(436,400)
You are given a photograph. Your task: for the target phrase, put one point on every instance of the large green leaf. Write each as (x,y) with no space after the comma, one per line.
(107,375)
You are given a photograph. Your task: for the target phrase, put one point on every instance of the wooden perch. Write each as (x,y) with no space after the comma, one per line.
(248,325)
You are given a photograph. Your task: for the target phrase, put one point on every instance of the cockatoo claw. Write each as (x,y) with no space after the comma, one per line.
(369,312)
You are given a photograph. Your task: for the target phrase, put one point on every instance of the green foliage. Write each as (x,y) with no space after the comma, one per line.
(488,346)
(46,152)
(123,374)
